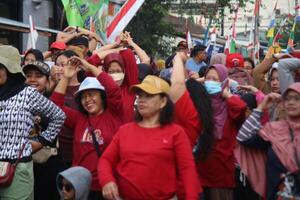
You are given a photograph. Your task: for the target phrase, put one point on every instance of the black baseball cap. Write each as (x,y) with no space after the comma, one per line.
(40,66)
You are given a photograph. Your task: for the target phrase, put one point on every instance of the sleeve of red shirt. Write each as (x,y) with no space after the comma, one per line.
(236,107)
(187,117)
(186,166)
(113,93)
(72,116)
(108,162)
(94,60)
(130,68)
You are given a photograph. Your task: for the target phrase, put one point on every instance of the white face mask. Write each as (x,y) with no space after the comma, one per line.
(118,78)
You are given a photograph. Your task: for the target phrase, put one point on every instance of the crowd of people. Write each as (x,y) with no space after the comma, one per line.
(83,122)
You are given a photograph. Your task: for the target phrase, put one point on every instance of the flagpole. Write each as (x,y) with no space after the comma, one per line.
(31,32)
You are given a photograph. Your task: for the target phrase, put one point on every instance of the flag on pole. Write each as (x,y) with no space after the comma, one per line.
(188,37)
(122,18)
(32,36)
(227,45)
(254,45)
(292,34)
(232,48)
(271,26)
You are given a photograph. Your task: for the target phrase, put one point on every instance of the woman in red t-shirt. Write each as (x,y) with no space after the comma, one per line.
(146,157)
(98,118)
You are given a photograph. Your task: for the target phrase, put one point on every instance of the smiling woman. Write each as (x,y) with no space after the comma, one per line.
(18,106)
(100,115)
(276,145)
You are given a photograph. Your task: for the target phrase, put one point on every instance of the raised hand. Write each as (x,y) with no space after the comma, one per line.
(70,69)
(268,101)
(249,88)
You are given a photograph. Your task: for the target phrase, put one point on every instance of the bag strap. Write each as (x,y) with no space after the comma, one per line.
(94,138)
(20,154)
(295,150)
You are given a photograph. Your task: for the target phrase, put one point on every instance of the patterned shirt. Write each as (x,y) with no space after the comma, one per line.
(17,120)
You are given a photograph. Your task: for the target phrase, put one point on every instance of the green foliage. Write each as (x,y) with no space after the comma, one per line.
(148,28)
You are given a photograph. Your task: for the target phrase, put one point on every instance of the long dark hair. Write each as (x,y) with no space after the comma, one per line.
(202,103)
(166,115)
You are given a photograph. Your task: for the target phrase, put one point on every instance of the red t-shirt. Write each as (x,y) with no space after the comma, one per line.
(146,161)
(105,126)
(217,170)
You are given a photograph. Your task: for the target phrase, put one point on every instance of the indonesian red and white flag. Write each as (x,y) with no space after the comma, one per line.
(122,18)
(32,36)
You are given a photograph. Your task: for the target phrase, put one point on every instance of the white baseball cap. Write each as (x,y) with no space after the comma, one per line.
(88,84)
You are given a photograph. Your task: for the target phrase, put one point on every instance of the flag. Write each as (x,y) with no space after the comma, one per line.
(80,12)
(232,48)
(72,13)
(292,34)
(254,46)
(188,37)
(122,18)
(227,45)
(32,36)
(271,27)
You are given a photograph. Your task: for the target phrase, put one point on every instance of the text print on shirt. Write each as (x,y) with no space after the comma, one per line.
(87,136)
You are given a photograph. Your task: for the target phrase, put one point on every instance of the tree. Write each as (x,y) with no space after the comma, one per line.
(149,29)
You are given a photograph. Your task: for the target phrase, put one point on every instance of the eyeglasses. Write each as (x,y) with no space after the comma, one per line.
(294,98)
(68,187)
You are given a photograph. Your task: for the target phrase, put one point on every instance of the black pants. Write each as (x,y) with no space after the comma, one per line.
(243,191)
(95,195)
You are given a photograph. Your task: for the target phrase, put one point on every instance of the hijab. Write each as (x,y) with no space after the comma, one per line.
(13,85)
(218,103)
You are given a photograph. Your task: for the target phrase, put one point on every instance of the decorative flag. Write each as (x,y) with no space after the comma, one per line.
(232,48)
(32,36)
(227,45)
(253,46)
(271,27)
(292,34)
(122,18)
(188,37)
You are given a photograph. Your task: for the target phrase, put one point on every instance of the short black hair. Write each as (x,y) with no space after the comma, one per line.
(197,49)
(250,61)
(80,107)
(166,115)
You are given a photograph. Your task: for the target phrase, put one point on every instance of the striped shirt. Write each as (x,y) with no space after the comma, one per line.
(250,127)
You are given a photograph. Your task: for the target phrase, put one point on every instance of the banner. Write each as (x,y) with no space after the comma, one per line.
(80,12)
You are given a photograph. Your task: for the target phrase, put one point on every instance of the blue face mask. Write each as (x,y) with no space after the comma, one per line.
(213,87)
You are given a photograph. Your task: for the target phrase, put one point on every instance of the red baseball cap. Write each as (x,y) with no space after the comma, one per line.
(58,45)
(234,60)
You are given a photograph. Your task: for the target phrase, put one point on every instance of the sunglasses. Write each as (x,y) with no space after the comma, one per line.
(68,187)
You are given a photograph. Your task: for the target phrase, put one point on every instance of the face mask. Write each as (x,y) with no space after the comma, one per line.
(118,77)
(213,87)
